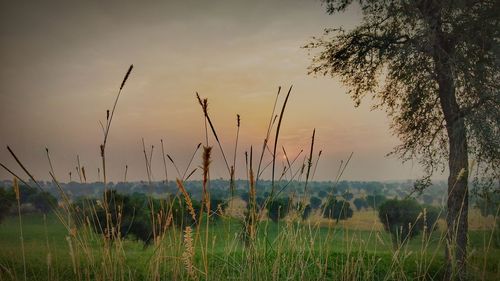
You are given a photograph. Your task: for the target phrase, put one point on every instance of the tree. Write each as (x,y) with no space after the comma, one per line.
(315,202)
(347,195)
(129,215)
(278,208)
(43,201)
(434,67)
(217,208)
(400,218)
(375,201)
(405,219)
(360,203)
(428,199)
(337,209)
(488,204)
(7,199)
(322,194)
(307,212)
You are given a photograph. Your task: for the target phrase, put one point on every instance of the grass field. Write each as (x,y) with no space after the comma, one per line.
(309,251)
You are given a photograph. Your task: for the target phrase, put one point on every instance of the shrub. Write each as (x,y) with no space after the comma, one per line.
(401,218)
(128,214)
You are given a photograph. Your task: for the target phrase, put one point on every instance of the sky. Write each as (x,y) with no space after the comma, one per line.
(63,62)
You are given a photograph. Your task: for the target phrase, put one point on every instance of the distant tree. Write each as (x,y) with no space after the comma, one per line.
(434,67)
(278,208)
(347,195)
(126,215)
(337,209)
(7,199)
(25,192)
(488,203)
(375,201)
(245,197)
(260,201)
(43,201)
(217,208)
(428,199)
(360,203)
(181,214)
(432,214)
(306,213)
(322,194)
(315,202)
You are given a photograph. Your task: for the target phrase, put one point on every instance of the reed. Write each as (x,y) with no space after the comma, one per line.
(277,135)
(187,198)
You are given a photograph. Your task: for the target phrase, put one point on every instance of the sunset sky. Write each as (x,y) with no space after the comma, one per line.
(63,62)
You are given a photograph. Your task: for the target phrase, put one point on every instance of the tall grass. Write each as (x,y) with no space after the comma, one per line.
(204,249)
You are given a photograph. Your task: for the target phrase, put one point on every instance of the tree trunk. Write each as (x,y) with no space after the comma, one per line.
(458,197)
(458,194)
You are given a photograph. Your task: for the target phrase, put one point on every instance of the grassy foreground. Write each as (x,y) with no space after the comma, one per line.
(285,251)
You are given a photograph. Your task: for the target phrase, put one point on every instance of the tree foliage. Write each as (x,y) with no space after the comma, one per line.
(133,215)
(347,195)
(360,203)
(7,199)
(337,209)
(315,202)
(278,208)
(405,219)
(392,56)
(375,201)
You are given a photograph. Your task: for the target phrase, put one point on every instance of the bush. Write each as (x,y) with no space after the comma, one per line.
(432,214)
(277,209)
(403,220)
(131,214)
(337,209)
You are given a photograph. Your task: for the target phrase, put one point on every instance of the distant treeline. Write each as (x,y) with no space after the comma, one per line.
(219,188)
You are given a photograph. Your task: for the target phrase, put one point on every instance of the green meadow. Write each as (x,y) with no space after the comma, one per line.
(288,250)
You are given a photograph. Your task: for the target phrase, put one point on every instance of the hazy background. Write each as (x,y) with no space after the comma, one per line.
(63,61)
